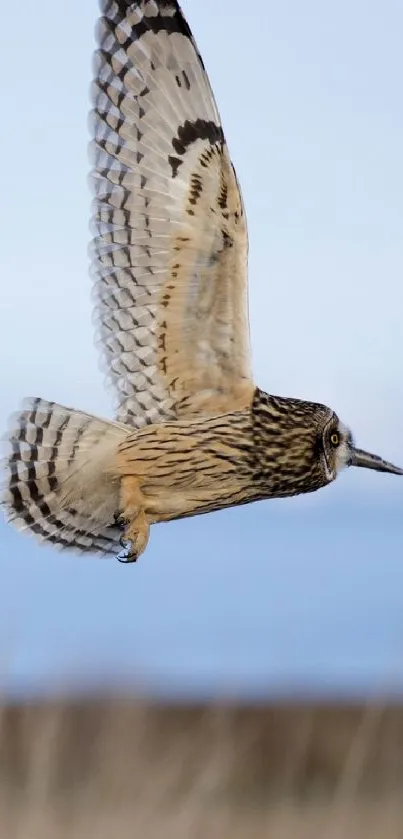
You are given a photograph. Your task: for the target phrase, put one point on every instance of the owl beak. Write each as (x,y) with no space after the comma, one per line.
(372,461)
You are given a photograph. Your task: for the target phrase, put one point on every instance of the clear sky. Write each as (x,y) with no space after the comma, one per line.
(310,97)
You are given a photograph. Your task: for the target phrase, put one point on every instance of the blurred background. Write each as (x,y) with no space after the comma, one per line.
(287,613)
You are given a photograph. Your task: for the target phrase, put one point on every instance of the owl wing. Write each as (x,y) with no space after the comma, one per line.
(169,253)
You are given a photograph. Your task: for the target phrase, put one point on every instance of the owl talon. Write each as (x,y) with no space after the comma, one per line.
(120,521)
(126,556)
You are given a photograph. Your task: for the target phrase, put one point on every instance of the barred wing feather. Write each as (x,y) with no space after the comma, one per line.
(169,253)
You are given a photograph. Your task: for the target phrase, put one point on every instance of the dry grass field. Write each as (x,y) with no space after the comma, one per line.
(120,769)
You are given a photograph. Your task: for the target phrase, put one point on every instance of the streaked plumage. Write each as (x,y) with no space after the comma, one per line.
(169,263)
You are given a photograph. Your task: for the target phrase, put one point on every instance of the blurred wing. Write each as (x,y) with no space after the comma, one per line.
(169,254)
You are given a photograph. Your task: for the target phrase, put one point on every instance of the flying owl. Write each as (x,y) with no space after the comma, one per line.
(193,433)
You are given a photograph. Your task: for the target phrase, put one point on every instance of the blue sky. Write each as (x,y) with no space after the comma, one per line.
(310,97)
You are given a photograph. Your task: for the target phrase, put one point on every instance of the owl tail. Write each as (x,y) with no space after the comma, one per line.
(60,482)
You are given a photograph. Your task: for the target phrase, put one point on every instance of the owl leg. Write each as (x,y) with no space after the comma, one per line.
(134,519)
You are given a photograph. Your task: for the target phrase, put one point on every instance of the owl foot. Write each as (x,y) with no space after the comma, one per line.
(133,521)
(127,555)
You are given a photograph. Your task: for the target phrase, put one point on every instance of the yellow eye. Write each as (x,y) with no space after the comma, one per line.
(334,439)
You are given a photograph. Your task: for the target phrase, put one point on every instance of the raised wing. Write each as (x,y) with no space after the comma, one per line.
(169,254)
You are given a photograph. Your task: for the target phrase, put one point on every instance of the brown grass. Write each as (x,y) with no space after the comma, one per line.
(121,769)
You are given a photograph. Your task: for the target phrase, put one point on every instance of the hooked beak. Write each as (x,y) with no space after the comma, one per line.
(372,461)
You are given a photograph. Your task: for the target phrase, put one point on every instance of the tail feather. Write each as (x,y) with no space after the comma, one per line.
(60,477)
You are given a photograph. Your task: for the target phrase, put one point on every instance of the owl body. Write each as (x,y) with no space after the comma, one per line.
(169,252)
(208,463)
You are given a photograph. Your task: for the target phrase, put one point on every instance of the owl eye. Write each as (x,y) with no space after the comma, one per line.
(335,438)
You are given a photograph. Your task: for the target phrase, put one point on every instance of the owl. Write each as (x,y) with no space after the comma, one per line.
(193,433)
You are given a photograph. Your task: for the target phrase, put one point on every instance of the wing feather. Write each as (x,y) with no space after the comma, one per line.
(169,248)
